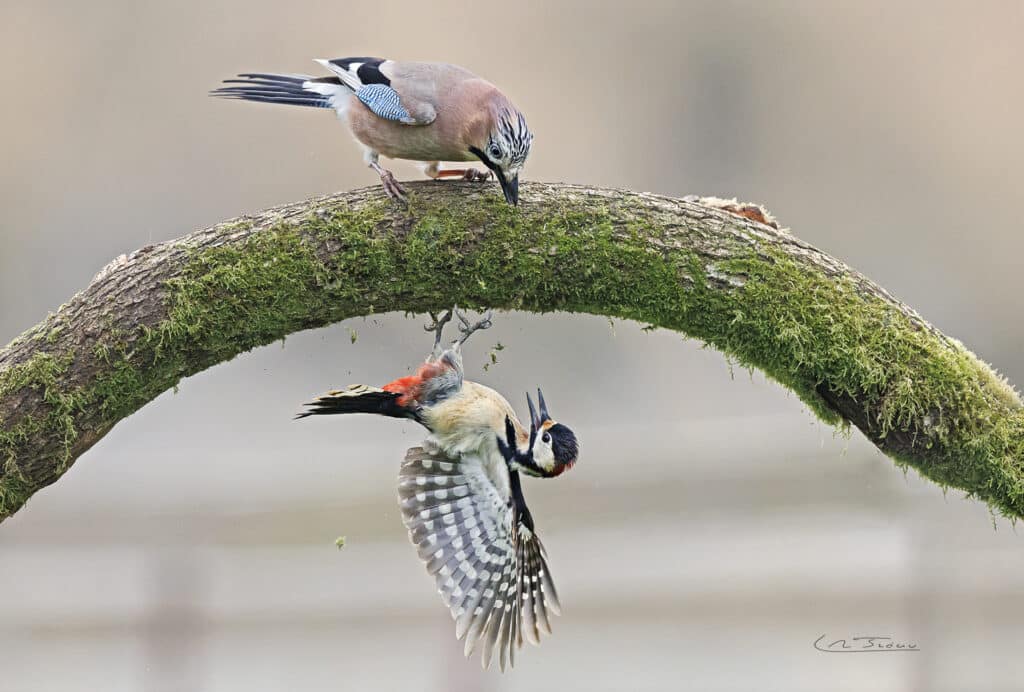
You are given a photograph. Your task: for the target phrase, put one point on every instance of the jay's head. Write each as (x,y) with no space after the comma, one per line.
(552,448)
(505,149)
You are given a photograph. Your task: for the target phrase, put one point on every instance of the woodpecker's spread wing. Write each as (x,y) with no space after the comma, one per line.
(489,565)
(370,79)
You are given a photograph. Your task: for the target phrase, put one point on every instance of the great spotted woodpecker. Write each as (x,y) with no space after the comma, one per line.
(461,497)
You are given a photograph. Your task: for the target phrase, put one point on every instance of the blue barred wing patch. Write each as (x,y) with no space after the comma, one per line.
(384,102)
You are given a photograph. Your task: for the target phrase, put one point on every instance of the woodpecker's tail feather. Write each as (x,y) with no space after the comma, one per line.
(288,89)
(358,398)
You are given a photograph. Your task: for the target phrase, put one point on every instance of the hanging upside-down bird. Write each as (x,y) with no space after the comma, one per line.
(422,111)
(461,497)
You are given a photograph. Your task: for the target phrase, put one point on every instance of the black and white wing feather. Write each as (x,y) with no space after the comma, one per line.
(370,79)
(479,545)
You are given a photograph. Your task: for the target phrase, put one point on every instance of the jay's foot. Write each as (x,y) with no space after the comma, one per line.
(391,186)
(476,176)
(471,174)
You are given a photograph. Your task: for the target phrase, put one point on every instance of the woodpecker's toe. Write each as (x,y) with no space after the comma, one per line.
(469,328)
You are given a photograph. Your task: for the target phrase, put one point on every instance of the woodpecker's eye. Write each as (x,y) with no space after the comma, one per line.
(547,437)
(494,152)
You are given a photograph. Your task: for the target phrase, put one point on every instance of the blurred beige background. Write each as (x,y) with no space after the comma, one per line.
(712,530)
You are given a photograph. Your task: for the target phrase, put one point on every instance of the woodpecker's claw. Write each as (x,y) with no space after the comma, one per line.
(467,329)
(437,326)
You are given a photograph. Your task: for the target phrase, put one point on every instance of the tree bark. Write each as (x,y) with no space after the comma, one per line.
(851,351)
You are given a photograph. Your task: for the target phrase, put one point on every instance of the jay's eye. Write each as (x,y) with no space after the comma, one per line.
(494,152)
(546,438)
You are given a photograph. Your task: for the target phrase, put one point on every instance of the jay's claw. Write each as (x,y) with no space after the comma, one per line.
(476,176)
(391,186)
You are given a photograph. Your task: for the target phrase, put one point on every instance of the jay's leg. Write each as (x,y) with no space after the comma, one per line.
(387,178)
(433,170)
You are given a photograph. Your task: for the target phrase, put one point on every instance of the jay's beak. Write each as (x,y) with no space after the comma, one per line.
(510,188)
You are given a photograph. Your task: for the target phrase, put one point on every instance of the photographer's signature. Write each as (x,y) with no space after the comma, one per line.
(856,645)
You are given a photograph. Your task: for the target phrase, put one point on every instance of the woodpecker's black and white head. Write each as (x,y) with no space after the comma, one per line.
(551,450)
(505,151)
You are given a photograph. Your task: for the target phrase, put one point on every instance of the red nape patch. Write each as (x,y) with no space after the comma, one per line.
(410,386)
(406,387)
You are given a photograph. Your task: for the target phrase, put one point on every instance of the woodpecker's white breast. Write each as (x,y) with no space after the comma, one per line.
(470,420)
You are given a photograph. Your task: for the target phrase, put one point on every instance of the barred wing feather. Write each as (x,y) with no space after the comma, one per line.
(490,569)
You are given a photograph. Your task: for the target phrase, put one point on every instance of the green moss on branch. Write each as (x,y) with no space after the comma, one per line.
(846,349)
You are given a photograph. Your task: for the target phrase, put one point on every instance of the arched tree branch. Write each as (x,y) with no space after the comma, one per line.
(848,349)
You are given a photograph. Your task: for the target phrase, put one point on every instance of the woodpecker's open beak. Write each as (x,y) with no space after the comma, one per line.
(543,406)
(535,420)
(510,188)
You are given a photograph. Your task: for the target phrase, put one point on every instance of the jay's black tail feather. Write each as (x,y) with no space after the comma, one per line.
(281,88)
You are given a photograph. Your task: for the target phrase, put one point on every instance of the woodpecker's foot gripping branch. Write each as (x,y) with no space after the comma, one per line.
(467,329)
(437,326)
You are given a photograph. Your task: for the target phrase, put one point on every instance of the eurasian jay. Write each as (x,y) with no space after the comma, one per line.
(421,111)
